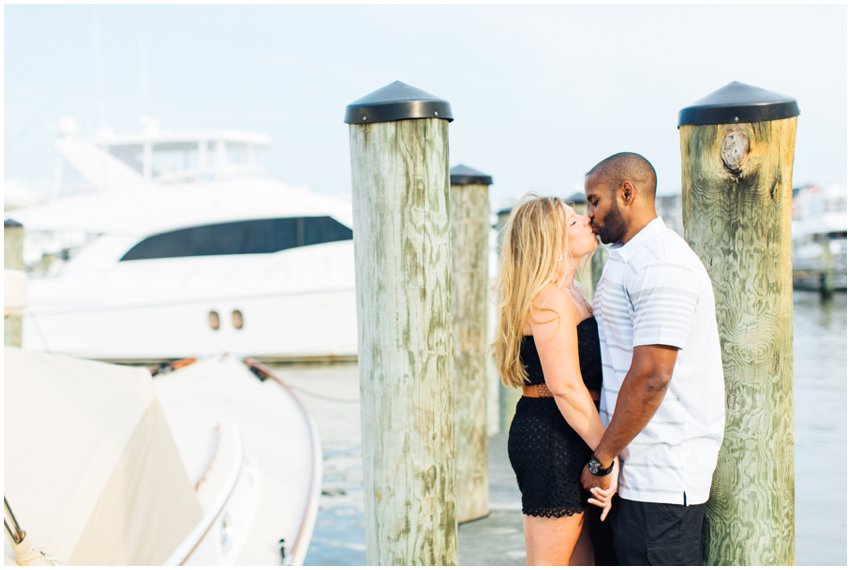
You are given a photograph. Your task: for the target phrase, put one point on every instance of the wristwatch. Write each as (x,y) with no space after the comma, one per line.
(596,468)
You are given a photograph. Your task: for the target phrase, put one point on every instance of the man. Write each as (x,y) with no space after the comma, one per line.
(663,382)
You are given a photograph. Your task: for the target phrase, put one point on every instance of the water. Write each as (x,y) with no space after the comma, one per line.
(820,353)
(821,361)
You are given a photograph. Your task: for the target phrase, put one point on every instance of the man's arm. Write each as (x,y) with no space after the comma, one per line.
(640,396)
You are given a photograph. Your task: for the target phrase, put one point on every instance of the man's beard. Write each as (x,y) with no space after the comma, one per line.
(613,226)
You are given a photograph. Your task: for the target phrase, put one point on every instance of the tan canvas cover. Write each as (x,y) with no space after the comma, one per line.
(92,472)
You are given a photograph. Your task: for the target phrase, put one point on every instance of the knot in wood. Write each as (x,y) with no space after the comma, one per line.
(734,148)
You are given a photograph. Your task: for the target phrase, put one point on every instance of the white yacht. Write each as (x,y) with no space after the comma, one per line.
(820,236)
(173,244)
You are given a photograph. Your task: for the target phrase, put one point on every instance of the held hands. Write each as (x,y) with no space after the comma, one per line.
(603,488)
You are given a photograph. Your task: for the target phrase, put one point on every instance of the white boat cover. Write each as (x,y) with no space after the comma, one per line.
(92,472)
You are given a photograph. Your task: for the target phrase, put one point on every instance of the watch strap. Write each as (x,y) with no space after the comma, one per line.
(601,471)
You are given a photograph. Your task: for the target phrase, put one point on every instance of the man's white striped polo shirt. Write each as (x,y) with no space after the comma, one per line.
(655,290)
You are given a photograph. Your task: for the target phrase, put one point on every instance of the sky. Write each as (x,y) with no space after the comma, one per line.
(539,93)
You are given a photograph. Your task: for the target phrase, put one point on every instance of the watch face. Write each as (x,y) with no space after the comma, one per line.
(594,466)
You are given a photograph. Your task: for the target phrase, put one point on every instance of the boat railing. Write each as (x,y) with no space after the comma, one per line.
(13,529)
(214,511)
(25,553)
(298,551)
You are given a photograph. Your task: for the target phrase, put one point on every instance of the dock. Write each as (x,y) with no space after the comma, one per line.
(497,539)
(331,396)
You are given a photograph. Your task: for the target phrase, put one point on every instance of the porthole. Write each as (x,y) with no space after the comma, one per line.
(236,319)
(213,319)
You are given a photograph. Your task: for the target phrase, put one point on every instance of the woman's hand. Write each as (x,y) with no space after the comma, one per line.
(603,497)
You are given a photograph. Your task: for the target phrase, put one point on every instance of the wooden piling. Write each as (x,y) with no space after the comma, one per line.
(13,258)
(589,275)
(400,190)
(491,372)
(470,217)
(737,147)
(598,261)
(826,275)
(583,274)
(508,397)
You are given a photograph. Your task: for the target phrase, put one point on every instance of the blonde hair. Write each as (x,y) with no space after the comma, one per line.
(533,242)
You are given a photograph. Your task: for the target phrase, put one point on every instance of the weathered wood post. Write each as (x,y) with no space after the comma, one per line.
(598,261)
(13,258)
(508,397)
(400,194)
(583,274)
(826,273)
(737,146)
(589,275)
(491,371)
(470,215)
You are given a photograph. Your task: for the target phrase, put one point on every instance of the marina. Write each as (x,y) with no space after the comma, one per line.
(820,238)
(160,284)
(251,281)
(202,279)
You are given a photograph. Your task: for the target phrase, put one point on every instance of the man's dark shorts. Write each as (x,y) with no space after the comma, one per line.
(652,534)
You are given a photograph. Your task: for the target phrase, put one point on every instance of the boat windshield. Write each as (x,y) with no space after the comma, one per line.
(187,160)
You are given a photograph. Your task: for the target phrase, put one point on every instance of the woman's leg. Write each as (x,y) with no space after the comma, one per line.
(551,541)
(583,554)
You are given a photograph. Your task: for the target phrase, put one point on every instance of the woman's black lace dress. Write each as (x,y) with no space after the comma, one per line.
(545,452)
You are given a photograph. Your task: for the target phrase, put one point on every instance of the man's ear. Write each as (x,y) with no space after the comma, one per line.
(627,191)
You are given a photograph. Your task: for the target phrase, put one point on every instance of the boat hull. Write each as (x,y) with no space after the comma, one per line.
(296,306)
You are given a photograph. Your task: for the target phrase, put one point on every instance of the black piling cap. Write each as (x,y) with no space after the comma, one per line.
(578,198)
(461,175)
(739,103)
(397,102)
(10,223)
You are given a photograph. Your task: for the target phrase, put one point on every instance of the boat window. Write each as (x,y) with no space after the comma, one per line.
(837,204)
(166,158)
(322,230)
(239,153)
(232,238)
(213,320)
(267,236)
(130,155)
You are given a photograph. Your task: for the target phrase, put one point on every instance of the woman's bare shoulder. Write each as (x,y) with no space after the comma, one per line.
(554,298)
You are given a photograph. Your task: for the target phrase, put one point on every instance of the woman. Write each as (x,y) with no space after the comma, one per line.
(547,344)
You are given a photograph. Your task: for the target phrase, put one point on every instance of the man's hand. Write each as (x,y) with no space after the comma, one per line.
(589,481)
(602,497)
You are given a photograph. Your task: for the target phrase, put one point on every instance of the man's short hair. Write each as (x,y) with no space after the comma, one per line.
(626,166)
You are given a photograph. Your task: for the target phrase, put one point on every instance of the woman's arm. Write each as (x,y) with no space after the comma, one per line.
(554,329)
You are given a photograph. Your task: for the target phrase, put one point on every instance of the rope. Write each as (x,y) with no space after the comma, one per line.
(263,372)
(324,397)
